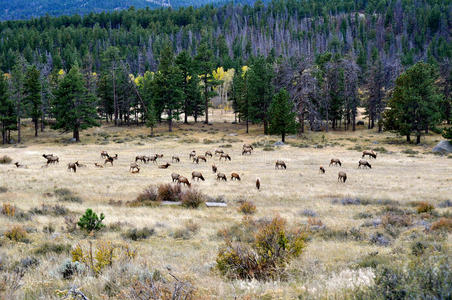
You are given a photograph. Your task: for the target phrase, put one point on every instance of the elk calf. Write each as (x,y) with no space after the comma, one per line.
(184,180)
(246,151)
(143,158)
(208,153)
(197,175)
(165,166)
(51,159)
(72,166)
(18,165)
(175,159)
(192,154)
(342,176)
(221,176)
(134,168)
(335,162)
(104,154)
(364,163)
(235,176)
(214,168)
(322,170)
(98,166)
(198,158)
(280,164)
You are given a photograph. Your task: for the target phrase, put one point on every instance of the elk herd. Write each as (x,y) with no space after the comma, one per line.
(247,149)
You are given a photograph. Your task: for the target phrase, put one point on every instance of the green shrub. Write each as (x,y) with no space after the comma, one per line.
(4,160)
(266,257)
(447,133)
(90,221)
(135,234)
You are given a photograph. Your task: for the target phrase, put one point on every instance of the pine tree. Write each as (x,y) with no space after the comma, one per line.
(33,98)
(17,91)
(74,107)
(189,84)
(415,103)
(204,60)
(282,117)
(7,111)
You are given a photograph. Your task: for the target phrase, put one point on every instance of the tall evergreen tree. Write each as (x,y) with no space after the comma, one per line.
(204,60)
(282,117)
(74,107)
(415,103)
(17,91)
(7,111)
(33,97)
(111,58)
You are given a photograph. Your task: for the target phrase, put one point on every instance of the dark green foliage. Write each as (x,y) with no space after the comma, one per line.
(74,105)
(7,111)
(90,221)
(415,102)
(282,117)
(33,99)
(447,133)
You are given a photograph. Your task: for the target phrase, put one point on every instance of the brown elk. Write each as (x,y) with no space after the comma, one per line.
(225,156)
(246,151)
(143,158)
(51,159)
(369,153)
(258,183)
(104,154)
(248,146)
(72,166)
(98,166)
(184,180)
(235,176)
(214,168)
(208,153)
(159,155)
(219,151)
(175,159)
(280,164)
(221,176)
(342,176)
(109,159)
(364,163)
(153,159)
(174,176)
(165,166)
(198,158)
(322,170)
(192,154)
(134,167)
(335,162)
(197,175)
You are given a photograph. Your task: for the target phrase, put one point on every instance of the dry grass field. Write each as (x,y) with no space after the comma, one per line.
(331,265)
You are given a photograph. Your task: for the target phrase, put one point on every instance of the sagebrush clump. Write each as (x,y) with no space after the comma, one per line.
(247,208)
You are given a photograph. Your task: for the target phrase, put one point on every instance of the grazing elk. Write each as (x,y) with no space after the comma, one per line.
(18,165)
(219,151)
(109,159)
(364,163)
(208,153)
(221,176)
(214,168)
(165,166)
(198,158)
(159,155)
(184,180)
(51,159)
(134,168)
(342,176)
(235,176)
(175,159)
(98,165)
(369,153)
(72,166)
(335,162)
(143,158)
(174,176)
(322,170)
(192,154)
(225,156)
(246,151)
(153,159)
(197,175)
(258,183)
(280,164)
(248,146)
(104,154)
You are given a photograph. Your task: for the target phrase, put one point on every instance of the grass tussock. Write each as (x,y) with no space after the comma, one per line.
(247,208)
(424,207)
(135,234)
(5,159)
(66,195)
(17,233)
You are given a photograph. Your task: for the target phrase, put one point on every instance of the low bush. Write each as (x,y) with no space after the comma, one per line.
(425,207)
(4,160)
(8,210)
(410,151)
(135,234)
(3,189)
(273,246)
(69,268)
(56,210)
(192,198)
(187,232)
(67,195)
(147,198)
(396,220)
(442,224)
(49,247)
(328,234)
(169,192)
(247,208)
(16,233)
(308,213)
